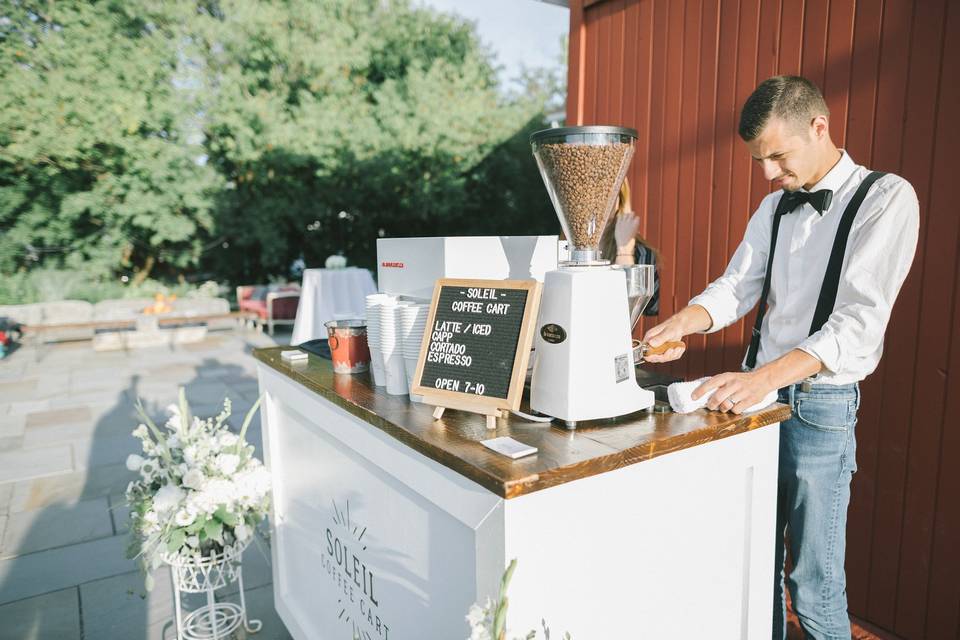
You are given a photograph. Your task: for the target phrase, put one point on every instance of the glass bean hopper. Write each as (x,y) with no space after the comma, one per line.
(583,169)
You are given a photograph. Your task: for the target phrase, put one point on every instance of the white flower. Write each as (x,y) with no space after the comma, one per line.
(222,490)
(476,615)
(480,633)
(227,439)
(134,462)
(199,467)
(227,463)
(185,517)
(148,469)
(167,498)
(481,621)
(212,495)
(252,487)
(173,422)
(193,479)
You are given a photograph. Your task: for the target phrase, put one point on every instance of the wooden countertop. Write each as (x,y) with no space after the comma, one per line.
(453,441)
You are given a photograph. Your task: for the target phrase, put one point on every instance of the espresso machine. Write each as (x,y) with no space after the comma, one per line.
(585,355)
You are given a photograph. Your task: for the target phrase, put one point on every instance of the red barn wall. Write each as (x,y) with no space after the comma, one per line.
(678,71)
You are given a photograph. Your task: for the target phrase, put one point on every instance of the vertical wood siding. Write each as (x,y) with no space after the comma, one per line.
(678,71)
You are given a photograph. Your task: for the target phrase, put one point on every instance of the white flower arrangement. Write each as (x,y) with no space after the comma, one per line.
(489,622)
(200,491)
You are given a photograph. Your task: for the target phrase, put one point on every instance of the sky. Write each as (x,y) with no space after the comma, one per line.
(518,31)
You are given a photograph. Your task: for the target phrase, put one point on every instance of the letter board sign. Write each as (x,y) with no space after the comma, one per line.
(477,343)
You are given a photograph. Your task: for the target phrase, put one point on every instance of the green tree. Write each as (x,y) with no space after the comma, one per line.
(96,172)
(232,136)
(336,123)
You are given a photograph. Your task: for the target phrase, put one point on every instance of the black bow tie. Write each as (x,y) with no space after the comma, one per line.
(819,200)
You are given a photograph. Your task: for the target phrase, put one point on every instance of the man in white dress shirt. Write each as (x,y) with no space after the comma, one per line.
(825,257)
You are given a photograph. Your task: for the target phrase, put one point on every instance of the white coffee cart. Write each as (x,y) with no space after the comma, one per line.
(388,525)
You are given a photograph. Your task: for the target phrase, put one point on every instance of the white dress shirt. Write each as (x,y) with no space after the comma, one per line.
(879,252)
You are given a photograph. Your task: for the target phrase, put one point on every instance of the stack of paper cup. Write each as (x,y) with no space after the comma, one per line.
(413,322)
(374,302)
(392,348)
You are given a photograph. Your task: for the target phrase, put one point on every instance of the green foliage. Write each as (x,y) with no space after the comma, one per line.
(48,285)
(342,122)
(177,536)
(148,138)
(212,530)
(503,603)
(226,518)
(490,621)
(194,527)
(95,167)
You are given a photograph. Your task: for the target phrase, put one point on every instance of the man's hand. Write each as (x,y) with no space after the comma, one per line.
(690,320)
(734,392)
(669,331)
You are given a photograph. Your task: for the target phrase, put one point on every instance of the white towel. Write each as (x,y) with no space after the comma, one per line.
(681,401)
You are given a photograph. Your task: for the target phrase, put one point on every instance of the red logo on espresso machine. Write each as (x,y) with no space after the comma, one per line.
(392,265)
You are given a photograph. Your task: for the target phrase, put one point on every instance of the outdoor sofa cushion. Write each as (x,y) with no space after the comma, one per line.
(257,306)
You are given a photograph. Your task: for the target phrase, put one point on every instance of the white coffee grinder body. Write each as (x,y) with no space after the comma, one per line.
(584,352)
(584,359)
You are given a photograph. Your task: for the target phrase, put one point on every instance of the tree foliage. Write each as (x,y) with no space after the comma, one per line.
(234,136)
(96,172)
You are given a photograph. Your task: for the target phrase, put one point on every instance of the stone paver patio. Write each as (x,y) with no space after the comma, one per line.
(66,413)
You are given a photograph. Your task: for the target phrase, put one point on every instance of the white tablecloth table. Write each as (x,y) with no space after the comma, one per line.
(330,294)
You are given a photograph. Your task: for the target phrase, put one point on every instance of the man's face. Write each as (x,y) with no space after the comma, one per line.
(787,154)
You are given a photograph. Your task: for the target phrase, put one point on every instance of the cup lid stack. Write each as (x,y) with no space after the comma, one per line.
(413,322)
(374,302)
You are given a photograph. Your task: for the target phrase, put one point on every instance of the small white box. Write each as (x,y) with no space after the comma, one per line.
(509,447)
(293,355)
(411,266)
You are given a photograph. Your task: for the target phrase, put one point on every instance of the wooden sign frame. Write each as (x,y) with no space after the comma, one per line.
(492,407)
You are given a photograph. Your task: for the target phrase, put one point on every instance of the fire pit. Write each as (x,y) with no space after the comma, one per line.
(161,304)
(156,325)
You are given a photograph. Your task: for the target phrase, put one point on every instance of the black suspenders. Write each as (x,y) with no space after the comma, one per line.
(751,361)
(831,279)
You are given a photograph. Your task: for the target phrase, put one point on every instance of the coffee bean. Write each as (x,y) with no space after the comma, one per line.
(584,179)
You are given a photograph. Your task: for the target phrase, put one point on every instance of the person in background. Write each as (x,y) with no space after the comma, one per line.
(621,243)
(825,256)
(297,267)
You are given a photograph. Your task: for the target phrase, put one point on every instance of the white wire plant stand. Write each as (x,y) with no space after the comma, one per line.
(215,620)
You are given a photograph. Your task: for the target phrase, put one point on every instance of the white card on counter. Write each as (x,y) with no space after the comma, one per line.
(292,355)
(509,447)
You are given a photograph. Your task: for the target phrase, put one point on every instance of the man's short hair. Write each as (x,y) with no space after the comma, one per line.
(793,99)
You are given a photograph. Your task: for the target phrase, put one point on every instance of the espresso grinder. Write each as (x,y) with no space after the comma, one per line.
(584,364)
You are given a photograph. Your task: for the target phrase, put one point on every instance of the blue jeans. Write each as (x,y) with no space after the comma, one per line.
(817,461)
